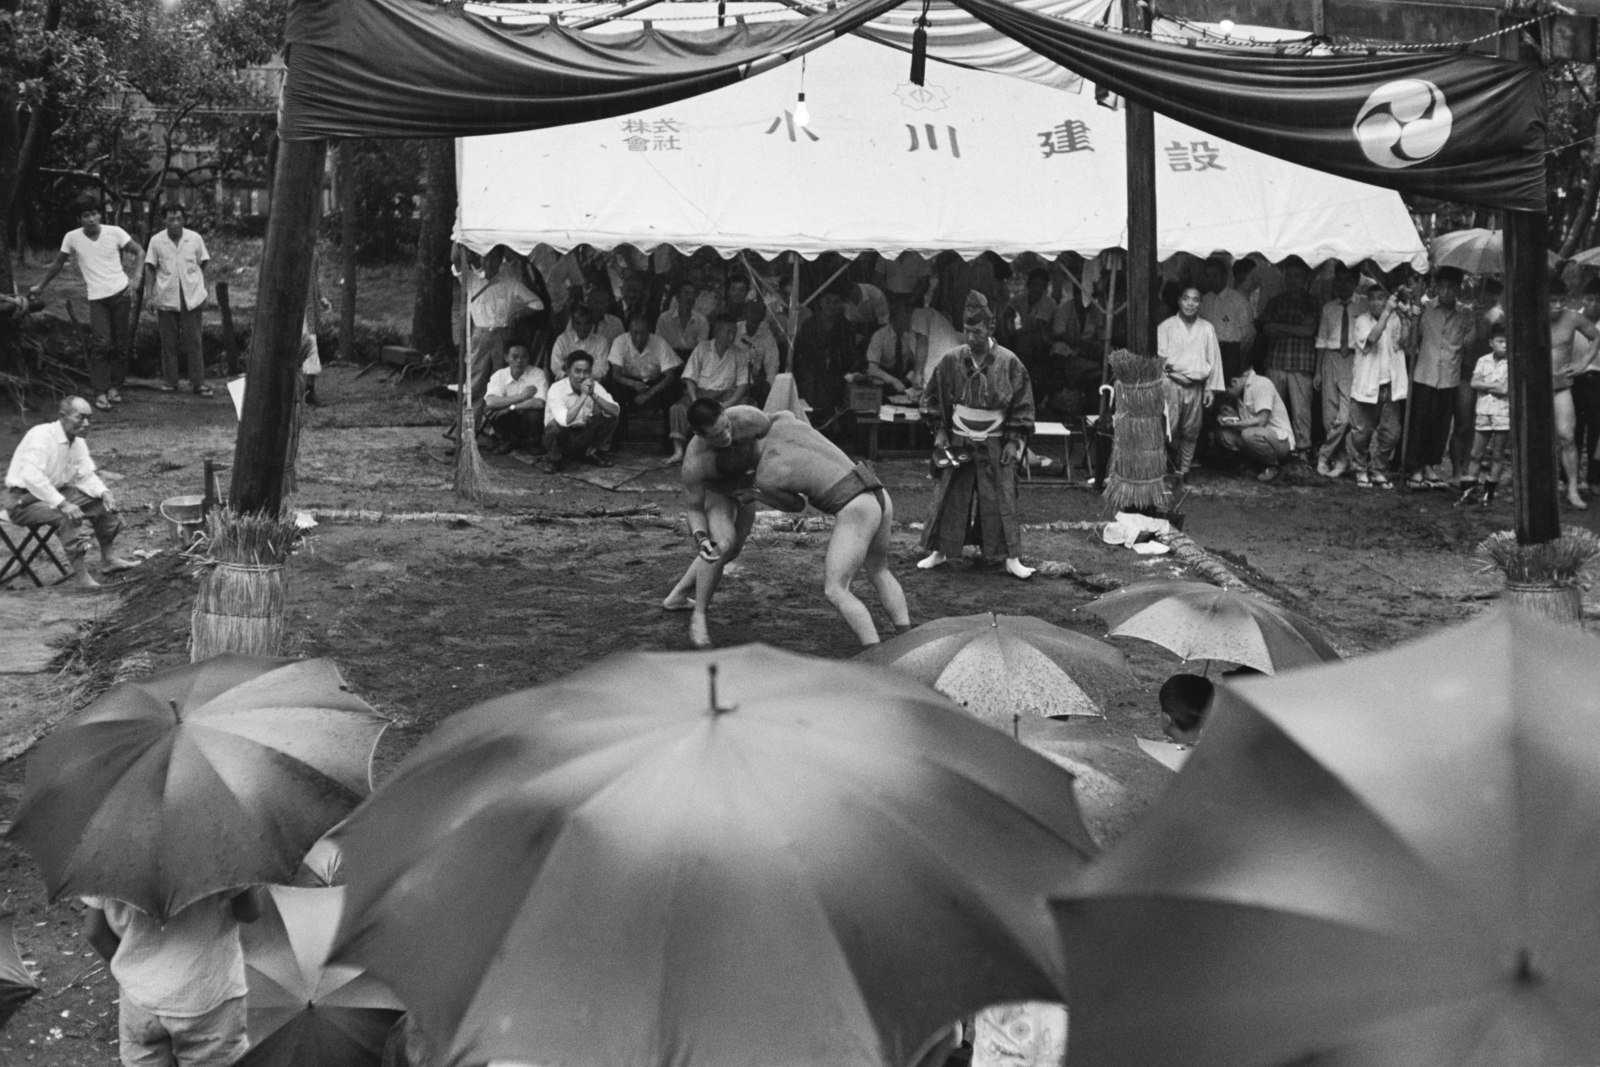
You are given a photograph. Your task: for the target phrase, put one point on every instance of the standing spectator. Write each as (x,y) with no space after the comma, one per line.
(1377,385)
(580,336)
(824,352)
(1565,326)
(1289,322)
(1187,344)
(636,299)
(580,417)
(1335,364)
(1230,315)
(718,369)
(644,368)
(866,307)
(681,326)
(52,481)
(514,402)
(181,983)
(175,278)
(1586,390)
(97,251)
(1260,431)
(766,358)
(1444,334)
(1492,432)
(497,298)
(607,325)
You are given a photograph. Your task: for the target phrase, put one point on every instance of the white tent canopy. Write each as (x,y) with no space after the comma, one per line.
(970,162)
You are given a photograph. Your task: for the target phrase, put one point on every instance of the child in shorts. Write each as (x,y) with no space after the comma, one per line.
(1492,425)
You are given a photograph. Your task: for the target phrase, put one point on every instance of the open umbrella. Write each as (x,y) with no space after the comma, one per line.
(711,860)
(1198,620)
(1475,251)
(1389,861)
(1589,257)
(16,984)
(997,666)
(211,776)
(304,1012)
(1113,778)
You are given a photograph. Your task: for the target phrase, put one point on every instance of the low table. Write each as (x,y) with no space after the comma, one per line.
(899,420)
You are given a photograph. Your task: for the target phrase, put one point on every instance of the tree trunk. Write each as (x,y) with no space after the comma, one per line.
(430,318)
(10,149)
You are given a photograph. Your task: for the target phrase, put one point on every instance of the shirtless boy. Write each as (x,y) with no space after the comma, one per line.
(739,456)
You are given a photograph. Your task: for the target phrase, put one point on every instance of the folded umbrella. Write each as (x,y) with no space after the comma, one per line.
(997,666)
(214,775)
(304,1012)
(712,860)
(1197,620)
(16,983)
(1387,861)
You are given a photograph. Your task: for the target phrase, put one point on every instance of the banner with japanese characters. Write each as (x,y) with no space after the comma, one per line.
(1448,124)
(968,162)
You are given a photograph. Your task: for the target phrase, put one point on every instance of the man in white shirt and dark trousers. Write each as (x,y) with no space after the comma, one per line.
(175,279)
(580,417)
(1188,345)
(1378,382)
(514,402)
(97,250)
(52,481)
(1230,314)
(1335,364)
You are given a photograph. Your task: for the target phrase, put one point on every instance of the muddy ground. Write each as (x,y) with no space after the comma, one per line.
(428,615)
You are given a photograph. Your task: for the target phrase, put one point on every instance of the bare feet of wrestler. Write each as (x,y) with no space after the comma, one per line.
(699,632)
(933,560)
(1015,568)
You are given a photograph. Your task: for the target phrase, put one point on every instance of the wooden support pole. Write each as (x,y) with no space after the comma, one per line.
(261,450)
(1141,164)
(1535,508)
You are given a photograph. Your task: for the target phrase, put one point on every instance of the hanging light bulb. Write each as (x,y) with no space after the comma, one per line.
(802,114)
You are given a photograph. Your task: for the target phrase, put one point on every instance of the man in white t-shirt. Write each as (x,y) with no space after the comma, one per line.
(181,983)
(643,369)
(1261,429)
(175,278)
(580,417)
(97,251)
(514,402)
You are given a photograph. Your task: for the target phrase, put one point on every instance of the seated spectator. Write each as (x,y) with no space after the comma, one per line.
(709,287)
(498,298)
(766,359)
(892,352)
(681,326)
(644,368)
(1185,701)
(718,369)
(580,417)
(181,983)
(514,402)
(52,481)
(866,308)
(1261,429)
(580,336)
(607,325)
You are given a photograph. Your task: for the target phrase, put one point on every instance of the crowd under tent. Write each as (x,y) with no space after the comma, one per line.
(971,161)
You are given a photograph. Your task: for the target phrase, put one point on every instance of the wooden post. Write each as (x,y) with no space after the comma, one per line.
(230,341)
(347,250)
(261,449)
(1141,164)
(1535,508)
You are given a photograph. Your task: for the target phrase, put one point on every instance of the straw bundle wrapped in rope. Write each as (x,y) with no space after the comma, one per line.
(1137,477)
(472,477)
(1543,578)
(244,585)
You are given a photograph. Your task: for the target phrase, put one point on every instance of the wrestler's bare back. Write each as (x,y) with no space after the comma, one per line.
(796,458)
